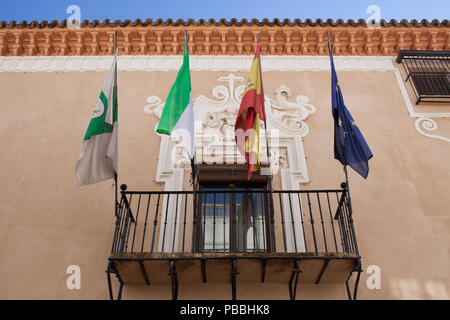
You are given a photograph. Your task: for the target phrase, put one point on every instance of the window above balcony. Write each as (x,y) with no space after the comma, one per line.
(428,73)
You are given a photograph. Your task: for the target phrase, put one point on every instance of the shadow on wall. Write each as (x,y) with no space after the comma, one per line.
(410,288)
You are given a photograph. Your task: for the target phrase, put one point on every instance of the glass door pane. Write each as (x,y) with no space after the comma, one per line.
(215,223)
(232,221)
(250,220)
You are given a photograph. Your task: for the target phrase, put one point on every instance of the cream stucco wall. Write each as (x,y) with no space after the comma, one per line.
(401,212)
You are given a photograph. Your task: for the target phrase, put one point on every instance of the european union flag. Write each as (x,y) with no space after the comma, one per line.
(350,148)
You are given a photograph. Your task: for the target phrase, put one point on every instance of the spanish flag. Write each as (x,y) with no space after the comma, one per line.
(246,129)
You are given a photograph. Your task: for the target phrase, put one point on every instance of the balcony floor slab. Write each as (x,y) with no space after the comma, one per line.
(154,268)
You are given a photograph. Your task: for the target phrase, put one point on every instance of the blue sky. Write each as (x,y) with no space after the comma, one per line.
(122,9)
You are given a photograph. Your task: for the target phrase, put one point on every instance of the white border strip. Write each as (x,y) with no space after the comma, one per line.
(198,63)
(223,63)
(408,103)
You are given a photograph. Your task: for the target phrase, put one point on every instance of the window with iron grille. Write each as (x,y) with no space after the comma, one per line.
(428,74)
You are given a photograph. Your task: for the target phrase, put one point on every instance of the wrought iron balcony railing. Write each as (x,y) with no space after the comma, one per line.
(158,232)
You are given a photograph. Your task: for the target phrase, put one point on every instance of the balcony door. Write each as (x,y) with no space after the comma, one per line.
(233,216)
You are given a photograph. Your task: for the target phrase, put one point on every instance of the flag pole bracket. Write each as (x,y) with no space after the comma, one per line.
(174,280)
(293,281)
(111,269)
(234,272)
(358,269)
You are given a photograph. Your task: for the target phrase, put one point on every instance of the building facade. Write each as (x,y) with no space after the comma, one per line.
(290,232)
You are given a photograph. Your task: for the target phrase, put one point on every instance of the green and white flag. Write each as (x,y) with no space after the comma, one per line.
(177,117)
(98,157)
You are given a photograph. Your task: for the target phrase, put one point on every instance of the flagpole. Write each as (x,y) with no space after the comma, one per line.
(267,142)
(347,186)
(194,177)
(193,156)
(348,190)
(265,117)
(115,80)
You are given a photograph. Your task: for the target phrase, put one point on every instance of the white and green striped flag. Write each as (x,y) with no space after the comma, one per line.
(177,117)
(98,157)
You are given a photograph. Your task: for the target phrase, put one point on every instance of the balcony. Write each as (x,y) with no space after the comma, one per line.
(232,236)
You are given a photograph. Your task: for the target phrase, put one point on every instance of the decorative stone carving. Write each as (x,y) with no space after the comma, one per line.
(213,39)
(424,122)
(291,114)
(215,142)
(428,124)
(214,136)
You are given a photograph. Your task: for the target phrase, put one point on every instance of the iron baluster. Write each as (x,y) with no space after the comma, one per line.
(332,223)
(282,223)
(312,224)
(293,222)
(184,221)
(135,224)
(165,223)
(321,221)
(301,218)
(155,223)
(145,223)
(175,224)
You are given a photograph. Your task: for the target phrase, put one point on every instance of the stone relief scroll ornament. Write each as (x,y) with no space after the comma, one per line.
(288,113)
(220,114)
(215,119)
(428,124)
(155,106)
